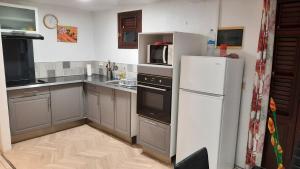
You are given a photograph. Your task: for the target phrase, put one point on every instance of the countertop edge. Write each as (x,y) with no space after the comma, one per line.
(71,82)
(110,86)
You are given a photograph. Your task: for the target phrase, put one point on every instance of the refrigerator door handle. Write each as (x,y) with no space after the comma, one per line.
(203,93)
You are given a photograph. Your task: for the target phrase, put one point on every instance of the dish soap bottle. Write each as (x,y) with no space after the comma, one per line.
(123,74)
(211,43)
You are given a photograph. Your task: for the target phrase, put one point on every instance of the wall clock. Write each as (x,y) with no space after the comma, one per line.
(50,21)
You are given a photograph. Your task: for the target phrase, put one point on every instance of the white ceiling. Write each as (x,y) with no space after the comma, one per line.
(91,5)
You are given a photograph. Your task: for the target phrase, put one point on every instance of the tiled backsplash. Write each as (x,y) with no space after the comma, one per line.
(66,68)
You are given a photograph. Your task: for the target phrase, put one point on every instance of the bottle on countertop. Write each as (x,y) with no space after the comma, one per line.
(115,68)
(223,50)
(123,74)
(211,43)
(109,70)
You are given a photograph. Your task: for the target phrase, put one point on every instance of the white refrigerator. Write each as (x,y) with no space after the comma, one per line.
(208,112)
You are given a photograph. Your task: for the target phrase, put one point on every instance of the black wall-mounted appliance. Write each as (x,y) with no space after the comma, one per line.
(19,58)
(18,61)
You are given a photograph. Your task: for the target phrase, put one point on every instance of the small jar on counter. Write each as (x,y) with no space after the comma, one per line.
(223,50)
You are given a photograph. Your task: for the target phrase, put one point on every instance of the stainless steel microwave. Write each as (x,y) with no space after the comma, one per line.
(160,54)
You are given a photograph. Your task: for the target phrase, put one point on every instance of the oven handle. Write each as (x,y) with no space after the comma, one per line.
(154,88)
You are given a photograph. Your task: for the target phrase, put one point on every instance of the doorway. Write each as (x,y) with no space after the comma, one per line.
(285,84)
(5,139)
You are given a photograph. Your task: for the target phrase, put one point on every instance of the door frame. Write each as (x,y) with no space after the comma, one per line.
(5,137)
(296,107)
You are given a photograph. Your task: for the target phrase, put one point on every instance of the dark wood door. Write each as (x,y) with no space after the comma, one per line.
(285,82)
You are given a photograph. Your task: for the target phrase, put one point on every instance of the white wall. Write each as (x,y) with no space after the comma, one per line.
(184,16)
(5,138)
(245,13)
(49,50)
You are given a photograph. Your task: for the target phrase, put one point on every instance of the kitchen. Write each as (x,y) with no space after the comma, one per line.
(98,43)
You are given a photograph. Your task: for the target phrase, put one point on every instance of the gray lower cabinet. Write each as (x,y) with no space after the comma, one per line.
(122,112)
(154,135)
(107,107)
(29,113)
(66,103)
(93,105)
(110,108)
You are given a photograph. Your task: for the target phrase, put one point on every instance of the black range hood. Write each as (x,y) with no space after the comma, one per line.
(22,35)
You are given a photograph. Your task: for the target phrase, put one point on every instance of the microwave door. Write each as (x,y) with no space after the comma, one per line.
(164,55)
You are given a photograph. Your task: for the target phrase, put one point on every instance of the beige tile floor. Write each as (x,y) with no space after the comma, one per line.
(80,148)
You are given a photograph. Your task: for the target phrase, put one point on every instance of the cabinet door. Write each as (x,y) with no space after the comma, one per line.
(107,107)
(129,25)
(122,112)
(15,17)
(155,136)
(92,106)
(29,113)
(67,103)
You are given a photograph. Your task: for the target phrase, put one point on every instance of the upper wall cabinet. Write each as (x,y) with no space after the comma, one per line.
(18,18)
(129,25)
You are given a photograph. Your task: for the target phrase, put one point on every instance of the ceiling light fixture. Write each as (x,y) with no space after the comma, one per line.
(84,0)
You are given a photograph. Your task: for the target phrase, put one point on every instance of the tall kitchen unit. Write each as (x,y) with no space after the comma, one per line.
(158,88)
(209,104)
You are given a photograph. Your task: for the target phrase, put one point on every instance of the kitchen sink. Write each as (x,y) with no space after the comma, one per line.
(113,82)
(126,83)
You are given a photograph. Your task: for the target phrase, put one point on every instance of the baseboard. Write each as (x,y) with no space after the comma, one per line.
(131,140)
(46,131)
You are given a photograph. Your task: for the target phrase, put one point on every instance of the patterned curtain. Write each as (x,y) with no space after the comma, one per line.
(260,96)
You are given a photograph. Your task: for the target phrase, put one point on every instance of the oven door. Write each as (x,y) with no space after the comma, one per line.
(155,102)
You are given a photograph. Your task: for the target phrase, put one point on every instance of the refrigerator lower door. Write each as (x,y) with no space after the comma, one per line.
(199,121)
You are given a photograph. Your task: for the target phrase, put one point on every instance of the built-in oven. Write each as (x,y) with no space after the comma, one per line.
(154,97)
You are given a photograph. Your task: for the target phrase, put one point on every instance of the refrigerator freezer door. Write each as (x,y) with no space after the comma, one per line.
(203,73)
(199,121)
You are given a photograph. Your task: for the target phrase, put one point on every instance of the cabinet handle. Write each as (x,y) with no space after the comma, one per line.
(49,105)
(151,122)
(154,88)
(31,93)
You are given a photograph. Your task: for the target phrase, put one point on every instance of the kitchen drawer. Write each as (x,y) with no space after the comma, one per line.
(92,87)
(154,135)
(28,92)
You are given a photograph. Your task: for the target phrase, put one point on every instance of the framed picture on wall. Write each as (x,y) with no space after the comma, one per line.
(231,36)
(67,34)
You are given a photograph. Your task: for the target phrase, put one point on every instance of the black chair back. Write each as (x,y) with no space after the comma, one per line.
(198,160)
